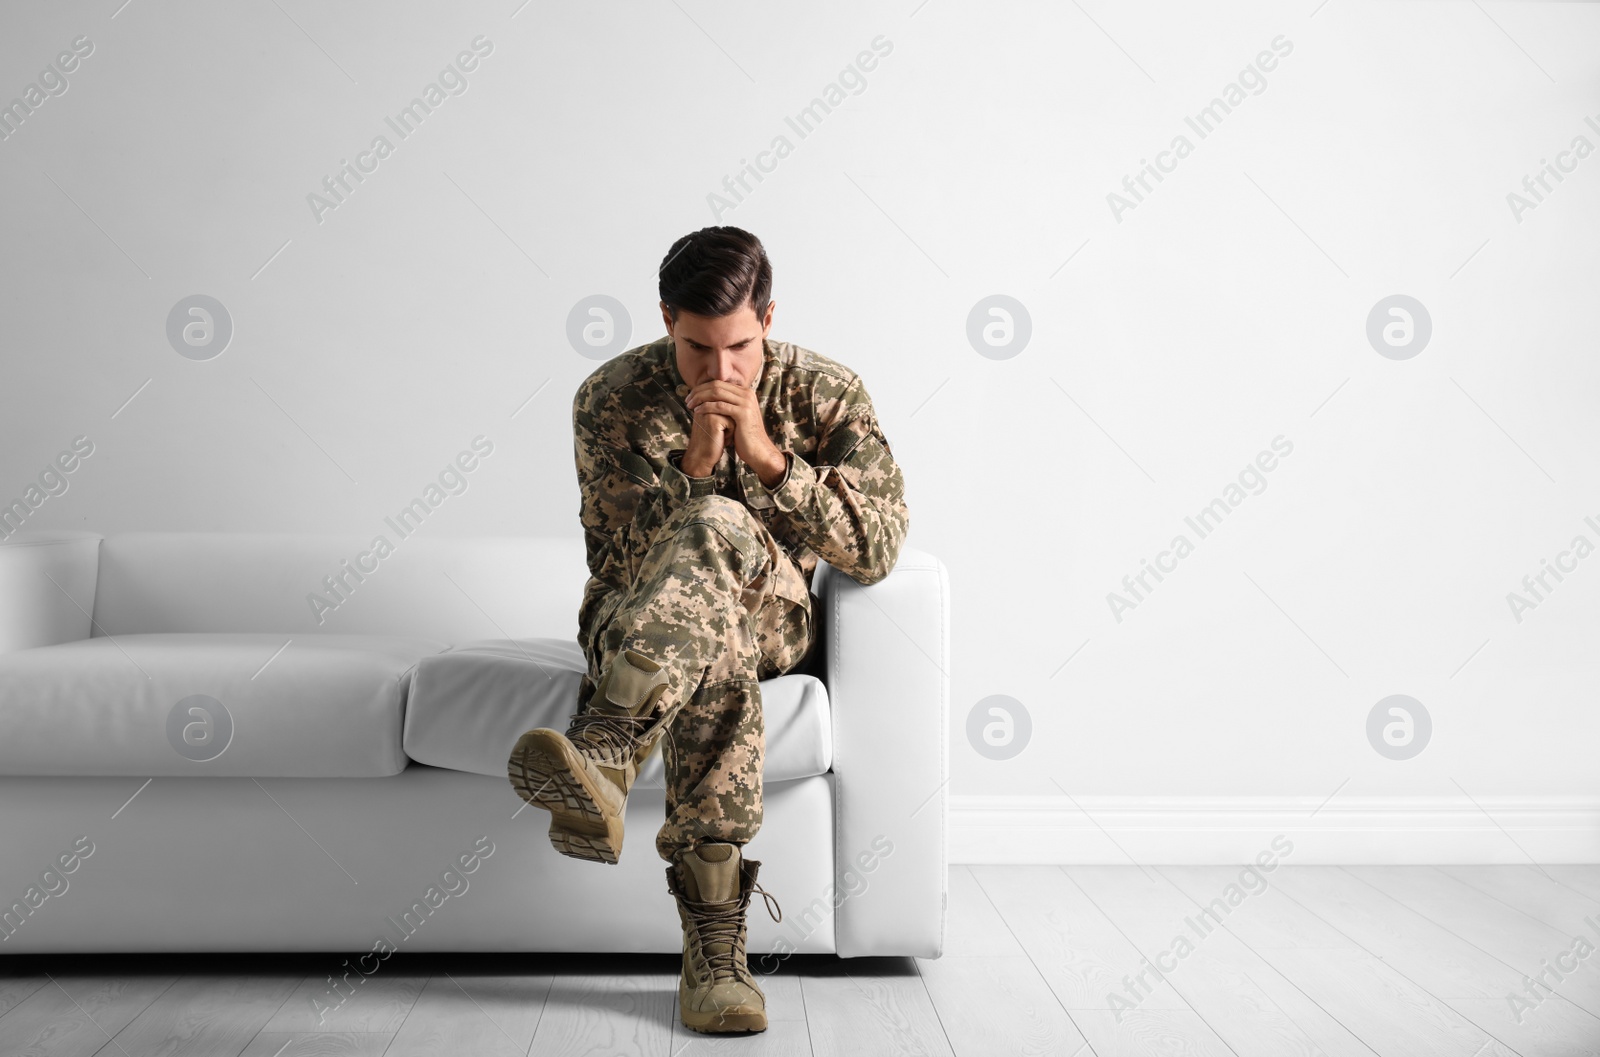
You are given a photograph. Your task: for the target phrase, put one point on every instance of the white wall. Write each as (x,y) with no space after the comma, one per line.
(1169,344)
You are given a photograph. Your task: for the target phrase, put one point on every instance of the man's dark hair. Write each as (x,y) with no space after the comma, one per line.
(715,271)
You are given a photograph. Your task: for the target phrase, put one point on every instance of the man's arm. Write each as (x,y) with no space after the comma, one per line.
(850,507)
(623,498)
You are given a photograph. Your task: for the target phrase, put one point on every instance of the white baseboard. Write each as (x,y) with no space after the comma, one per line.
(1153,830)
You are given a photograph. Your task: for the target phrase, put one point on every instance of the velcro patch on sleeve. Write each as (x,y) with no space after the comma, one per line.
(843,439)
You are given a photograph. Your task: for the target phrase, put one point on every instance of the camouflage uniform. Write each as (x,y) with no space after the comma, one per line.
(711,576)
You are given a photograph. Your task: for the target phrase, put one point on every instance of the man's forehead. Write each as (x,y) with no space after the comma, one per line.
(736,342)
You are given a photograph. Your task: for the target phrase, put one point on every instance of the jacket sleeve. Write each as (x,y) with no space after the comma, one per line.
(624,498)
(850,506)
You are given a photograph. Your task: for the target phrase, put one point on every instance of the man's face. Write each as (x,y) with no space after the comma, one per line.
(719,348)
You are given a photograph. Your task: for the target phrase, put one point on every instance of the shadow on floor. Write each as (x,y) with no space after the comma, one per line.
(424,963)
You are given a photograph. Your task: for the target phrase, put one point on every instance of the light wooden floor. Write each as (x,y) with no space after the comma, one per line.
(1342,961)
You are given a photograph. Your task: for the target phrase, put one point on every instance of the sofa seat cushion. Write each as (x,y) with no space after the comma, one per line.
(219,704)
(468,707)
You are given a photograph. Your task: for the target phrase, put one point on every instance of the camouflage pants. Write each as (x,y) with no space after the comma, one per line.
(717,602)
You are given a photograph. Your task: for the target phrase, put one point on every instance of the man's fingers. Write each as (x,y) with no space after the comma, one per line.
(705,416)
(725,391)
(720,407)
(704,424)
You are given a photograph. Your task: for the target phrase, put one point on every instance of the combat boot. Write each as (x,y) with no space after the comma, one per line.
(716,991)
(582,777)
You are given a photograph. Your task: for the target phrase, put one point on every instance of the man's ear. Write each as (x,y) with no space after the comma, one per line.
(766,322)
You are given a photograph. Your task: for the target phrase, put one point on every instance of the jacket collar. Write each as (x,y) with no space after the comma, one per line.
(771,373)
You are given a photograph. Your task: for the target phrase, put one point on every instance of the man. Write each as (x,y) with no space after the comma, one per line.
(716,467)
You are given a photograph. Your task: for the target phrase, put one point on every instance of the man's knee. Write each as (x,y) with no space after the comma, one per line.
(718,521)
(718,510)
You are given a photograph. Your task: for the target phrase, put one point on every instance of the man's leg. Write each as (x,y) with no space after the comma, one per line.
(713,763)
(688,620)
(708,616)
(714,747)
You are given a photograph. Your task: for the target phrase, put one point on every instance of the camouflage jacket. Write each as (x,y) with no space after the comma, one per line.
(841,498)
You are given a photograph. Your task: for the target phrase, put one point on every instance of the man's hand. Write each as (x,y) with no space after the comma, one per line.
(735,404)
(707,437)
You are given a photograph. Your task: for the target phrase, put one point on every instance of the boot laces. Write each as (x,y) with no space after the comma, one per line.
(723,923)
(614,738)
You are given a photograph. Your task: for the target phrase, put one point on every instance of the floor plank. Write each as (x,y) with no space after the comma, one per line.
(1555,1028)
(14,988)
(364,1005)
(203,1016)
(1388,1012)
(855,1009)
(608,1016)
(74,1016)
(998,1004)
(1273,921)
(1584,880)
(1536,893)
(972,925)
(1080,954)
(484,1015)
(1240,997)
(1322,962)
(1324,1029)
(1510,935)
(1150,1033)
(318,1044)
(1427,953)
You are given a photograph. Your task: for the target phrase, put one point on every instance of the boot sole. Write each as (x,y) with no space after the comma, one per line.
(718,1023)
(547,772)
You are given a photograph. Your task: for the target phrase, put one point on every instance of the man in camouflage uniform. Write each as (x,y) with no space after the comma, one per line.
(716,467)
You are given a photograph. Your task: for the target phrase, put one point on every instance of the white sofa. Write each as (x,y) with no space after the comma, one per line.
(191,761)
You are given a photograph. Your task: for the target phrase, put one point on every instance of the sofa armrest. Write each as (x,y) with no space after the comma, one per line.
(47,582)
(886,662)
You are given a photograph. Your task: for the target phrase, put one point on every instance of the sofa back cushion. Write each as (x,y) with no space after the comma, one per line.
(259,704)
(419,586)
